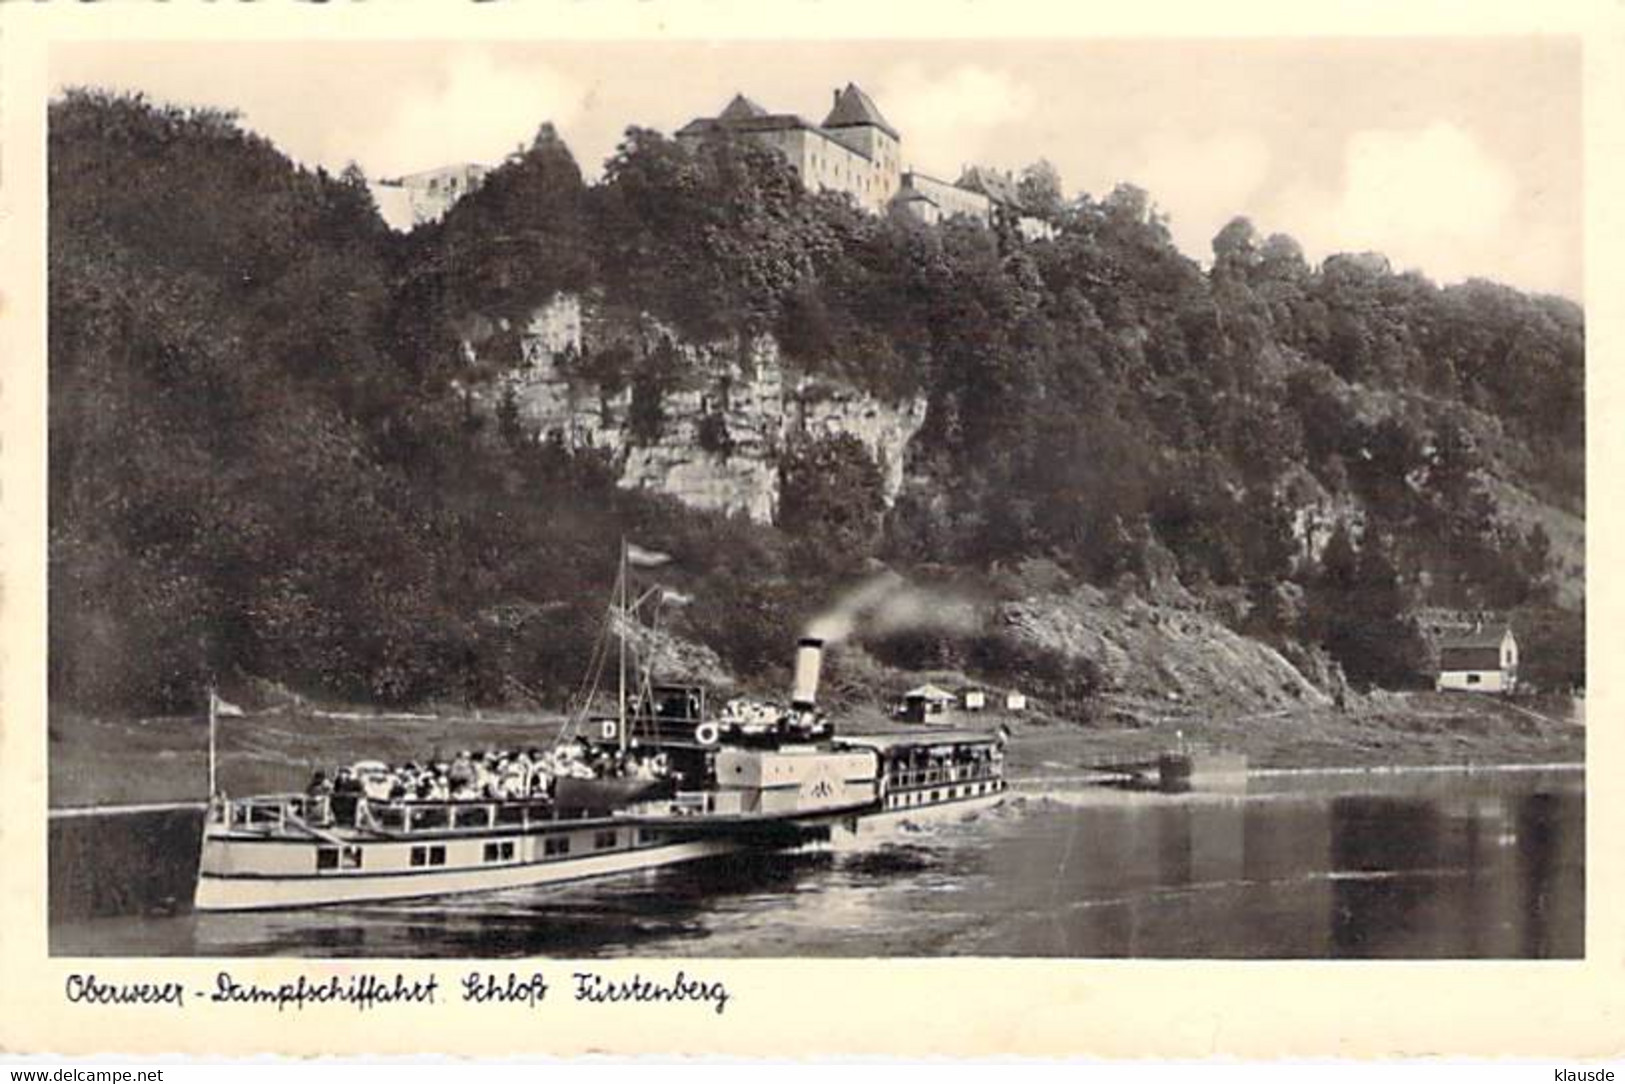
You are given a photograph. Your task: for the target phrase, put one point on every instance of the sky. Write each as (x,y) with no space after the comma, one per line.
(1458,157)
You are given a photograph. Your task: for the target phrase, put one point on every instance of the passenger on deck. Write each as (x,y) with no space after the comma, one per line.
(320,793)
(347,793)
(376,786)
(515,778)
(462,776)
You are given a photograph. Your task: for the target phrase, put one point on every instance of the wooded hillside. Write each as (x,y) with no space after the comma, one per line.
(265,461)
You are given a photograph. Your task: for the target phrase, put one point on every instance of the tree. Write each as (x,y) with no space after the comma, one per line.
(517,240)
(1040,189)
(1236,248)
(831,498)
(1358,610)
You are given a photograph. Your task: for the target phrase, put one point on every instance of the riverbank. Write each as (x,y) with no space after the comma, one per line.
(95,761)
(1388,730)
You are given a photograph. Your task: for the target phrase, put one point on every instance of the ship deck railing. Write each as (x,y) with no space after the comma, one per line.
(929,777)
(315,815)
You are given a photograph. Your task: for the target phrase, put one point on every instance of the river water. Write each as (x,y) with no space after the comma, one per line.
(1409,865)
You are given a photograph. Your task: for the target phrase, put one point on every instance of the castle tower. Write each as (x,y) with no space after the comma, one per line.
(855,122)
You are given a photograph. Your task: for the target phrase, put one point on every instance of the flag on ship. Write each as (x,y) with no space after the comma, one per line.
(639,557)
(223,708)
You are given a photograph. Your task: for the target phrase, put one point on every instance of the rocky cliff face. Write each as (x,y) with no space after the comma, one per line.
(725,411)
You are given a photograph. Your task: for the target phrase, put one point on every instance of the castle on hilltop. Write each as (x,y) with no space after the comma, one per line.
(857,152)
(854,151)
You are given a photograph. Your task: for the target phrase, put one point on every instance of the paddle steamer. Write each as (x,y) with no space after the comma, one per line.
(733,782)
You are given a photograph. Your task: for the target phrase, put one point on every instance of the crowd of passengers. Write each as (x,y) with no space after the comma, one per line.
(493,775)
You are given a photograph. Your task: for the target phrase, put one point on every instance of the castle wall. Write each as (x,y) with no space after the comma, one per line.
(952,200)
(861,161)
(882,157)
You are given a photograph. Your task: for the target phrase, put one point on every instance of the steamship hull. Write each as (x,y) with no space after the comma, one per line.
(271,874)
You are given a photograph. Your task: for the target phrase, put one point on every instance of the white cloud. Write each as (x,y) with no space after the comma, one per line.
(477,110)
(948,118)
(1429,198)
(1202,183)
(1434,183)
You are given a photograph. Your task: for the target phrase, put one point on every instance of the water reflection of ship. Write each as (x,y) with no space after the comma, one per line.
(704,783)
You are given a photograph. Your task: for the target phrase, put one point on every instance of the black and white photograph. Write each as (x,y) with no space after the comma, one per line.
(1064,498)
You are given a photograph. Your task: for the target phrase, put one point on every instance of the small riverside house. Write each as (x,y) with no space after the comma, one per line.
(929,704)
(1481,660)
(975,699)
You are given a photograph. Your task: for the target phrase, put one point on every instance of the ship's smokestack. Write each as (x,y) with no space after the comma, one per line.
(809,660)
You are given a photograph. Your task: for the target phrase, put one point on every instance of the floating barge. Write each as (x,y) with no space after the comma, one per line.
(1177,772)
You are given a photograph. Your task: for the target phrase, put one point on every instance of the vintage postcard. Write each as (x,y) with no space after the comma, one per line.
(538,529)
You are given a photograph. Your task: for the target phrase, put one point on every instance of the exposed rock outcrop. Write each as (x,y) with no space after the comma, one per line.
(725,410)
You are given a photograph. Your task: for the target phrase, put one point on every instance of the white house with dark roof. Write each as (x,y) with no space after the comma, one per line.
(1483,659)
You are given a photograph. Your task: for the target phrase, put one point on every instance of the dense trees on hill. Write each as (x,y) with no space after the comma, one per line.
(264,461)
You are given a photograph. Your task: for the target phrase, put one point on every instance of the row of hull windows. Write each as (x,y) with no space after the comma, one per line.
(896,801)
(329,859)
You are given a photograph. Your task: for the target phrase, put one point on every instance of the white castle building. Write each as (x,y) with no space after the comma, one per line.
(416,198)
(856,151)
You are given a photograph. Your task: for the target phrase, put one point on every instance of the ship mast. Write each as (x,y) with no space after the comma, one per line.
(620,700)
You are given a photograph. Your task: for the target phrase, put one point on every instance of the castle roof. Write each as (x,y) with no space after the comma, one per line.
(741,108)
(853,107)
(743,115)
(742,121)
(996,186)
